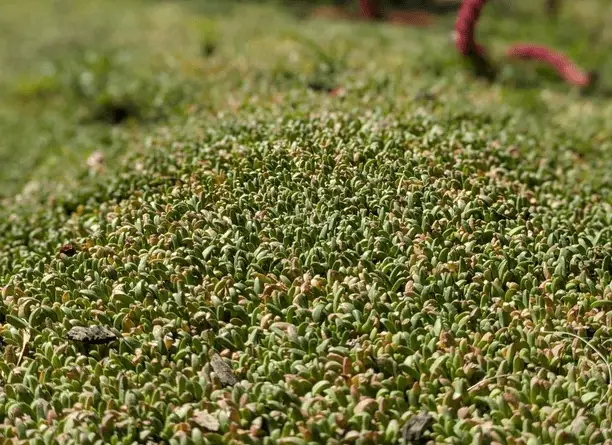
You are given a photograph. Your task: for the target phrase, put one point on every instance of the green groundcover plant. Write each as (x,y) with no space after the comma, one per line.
(309,232)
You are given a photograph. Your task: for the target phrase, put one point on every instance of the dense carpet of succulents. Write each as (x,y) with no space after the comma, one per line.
(317,268)
(350,270)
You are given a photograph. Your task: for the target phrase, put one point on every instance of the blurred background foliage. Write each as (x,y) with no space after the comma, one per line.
(79,76)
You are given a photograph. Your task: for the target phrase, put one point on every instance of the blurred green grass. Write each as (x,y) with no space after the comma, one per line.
(70,66)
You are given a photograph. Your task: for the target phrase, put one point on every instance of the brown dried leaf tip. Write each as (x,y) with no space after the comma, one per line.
(95,162)
(223,371)
(204,419)
(68,250)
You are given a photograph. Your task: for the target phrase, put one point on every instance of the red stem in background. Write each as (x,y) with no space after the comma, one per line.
(465,31)
(563,65)
(465,27)
(370,9)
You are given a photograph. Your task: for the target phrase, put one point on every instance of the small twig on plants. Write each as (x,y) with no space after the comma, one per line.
(594,349)
(588,344)
(489,380)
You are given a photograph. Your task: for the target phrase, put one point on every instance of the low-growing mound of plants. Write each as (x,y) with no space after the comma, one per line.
(379,259)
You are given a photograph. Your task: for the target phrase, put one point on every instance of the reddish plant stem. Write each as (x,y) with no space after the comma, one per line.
(370,9)
(465,40)
(562,65)
(465,27)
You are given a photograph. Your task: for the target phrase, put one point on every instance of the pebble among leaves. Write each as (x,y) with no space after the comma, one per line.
(316,279)
(91,335)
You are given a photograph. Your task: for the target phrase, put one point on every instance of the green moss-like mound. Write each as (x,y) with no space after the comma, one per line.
(351,271)
(320,268)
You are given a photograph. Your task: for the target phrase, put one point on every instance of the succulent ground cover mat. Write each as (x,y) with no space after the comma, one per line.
(313,231)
